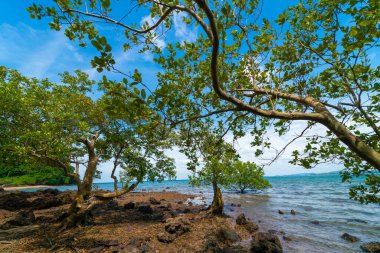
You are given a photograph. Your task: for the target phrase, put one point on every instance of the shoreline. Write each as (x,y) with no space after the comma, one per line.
(23,187)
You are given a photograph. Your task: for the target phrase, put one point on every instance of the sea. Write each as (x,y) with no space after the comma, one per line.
(316,198)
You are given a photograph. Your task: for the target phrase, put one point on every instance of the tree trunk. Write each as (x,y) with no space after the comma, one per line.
(217,204)
(79,213)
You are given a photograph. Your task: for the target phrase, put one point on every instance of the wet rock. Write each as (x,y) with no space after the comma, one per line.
(190,203)
(180,202)
(241,220)
(165,237)
(227,235)
(22,218)
(265,243)
(154,201)
(112,204)
(235,205)
(13,201)
(272,231)
(292,212)
(315,222)
(129,205)
(157,216)
(350,238)
(145,209)
(280,212)
(167,188)
(371,247)
(186,210)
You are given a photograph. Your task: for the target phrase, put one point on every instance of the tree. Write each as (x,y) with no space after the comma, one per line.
(284,70)
(59,125)
(217,158)
(244,175)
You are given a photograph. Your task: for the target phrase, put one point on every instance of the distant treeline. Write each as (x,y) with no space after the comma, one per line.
(26,175)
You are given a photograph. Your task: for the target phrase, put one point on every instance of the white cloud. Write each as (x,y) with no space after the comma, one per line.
(182,31)
(159,42)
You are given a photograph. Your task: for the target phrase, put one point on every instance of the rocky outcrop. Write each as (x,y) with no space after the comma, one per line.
(129,205)
(22,218)
(350,238)
(13,201)
(154,201)
(371,247)
(265,242)
(249,225)
(173,229)
(241,220)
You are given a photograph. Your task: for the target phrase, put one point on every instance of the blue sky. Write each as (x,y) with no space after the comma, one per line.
(32,48)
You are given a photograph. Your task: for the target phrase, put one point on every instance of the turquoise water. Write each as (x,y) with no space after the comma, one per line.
(314,197)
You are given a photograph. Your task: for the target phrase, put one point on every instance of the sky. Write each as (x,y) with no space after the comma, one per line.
(36,51)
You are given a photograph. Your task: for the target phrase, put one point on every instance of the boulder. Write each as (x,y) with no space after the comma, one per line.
(371,247)
(265,242)
(241,220)
(350,238)
(280,212)
(227,235)
(154,201)
(293,212)
(315,222)
(129,205)
(178,227)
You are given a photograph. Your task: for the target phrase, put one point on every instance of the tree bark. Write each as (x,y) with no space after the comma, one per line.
(217,204)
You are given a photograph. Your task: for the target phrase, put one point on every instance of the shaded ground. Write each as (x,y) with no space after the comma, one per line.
(137,222)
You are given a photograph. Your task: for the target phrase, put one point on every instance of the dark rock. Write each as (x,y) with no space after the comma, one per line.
(251,227)
(265,243)
(169,205)
(349,237)
(53,192)
(145,209)
(180,202)
(154,201)
(13,201)
(167,187)
(241,220)
(186,210)
(2,189)
(44,202)
(178,227)
(190,203)
(22,218)
(227,235)
(129,205)
(272,231)
(111,243)
(315,222)
(112,204)
(280,212)
(371,247)
(293,212)
(165,237)
(157,216)
(98,249)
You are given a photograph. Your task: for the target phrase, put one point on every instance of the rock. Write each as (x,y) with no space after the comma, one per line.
(178,227)
(98,249)
(22,218)
(66,197)
(53,192)
(280,212)
(169,205)
(315,222)
(165,237)
(145,209)
(154,201)
(180,202)
(186,210)
(241,220)
(371,247)
(1,189)
(308,208)
(227,235)
(111,243)
(46,201)
(157,216)
(350,238)
(272,231)
(287,238)
(293,212)
(190,203)
(129,205)
(251,227)
(13,201)
(167,188)
(112,204)
(265,243)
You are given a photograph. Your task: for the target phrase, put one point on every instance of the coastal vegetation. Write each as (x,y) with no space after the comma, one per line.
(263,75)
